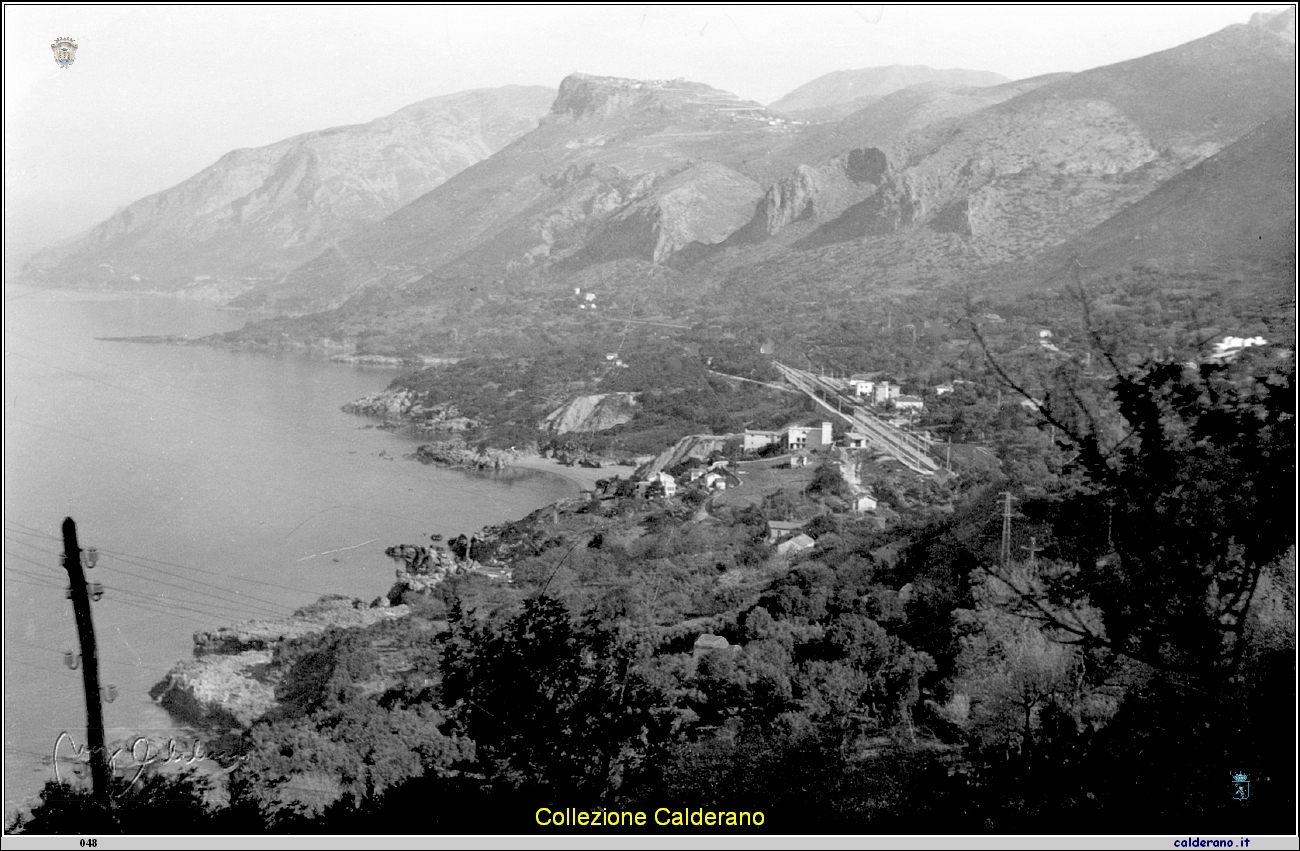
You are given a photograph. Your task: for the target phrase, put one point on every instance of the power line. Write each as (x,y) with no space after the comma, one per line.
(185,567)
(235,607)
(35,584)
(59,653)
(240,604)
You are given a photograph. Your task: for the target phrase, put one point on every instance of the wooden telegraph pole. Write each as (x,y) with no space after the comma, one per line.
(80,594)
(1006,530)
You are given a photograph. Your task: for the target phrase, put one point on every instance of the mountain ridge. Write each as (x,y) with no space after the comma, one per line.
(839,93)
(651,164)
(257,212)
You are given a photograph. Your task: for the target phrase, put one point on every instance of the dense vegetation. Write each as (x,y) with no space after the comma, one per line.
(1136,650)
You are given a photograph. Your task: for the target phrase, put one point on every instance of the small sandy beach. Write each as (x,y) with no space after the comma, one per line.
(584,477)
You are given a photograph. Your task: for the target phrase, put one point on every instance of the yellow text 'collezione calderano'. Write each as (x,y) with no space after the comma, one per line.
(665,817)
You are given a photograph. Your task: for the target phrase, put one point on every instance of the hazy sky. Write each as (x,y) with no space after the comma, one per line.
(158,93)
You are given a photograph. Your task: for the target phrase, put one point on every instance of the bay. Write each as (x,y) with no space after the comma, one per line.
(218,486)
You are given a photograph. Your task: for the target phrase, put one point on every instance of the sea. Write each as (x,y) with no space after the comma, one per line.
(217,487)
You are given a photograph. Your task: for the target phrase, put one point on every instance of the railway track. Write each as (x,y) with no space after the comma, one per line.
(908,449)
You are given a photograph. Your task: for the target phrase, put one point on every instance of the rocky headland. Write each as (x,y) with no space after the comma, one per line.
(459,455)
(231,681)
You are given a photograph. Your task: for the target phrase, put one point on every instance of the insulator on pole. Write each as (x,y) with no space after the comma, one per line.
(109,692)
(92,557)
(96,591)
(71,660)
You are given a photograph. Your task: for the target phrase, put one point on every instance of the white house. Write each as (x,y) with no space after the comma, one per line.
(1227,349)
(778,529)
(885,391)
(668,483)
(864,502)
(797,544)
(808,437)
(862,386)
(908,403)
(943,389)
(752,441)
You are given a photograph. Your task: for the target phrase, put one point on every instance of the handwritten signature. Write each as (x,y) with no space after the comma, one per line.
(140,753)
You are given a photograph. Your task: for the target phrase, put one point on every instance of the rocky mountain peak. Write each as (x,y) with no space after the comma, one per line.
(586,97)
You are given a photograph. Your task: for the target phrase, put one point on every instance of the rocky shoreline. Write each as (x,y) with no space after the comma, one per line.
(458,455)
(231,681)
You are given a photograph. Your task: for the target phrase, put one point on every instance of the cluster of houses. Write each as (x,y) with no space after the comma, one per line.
(883,392)
(792,438)
(713,476)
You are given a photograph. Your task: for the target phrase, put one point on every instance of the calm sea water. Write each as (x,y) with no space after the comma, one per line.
(218,487)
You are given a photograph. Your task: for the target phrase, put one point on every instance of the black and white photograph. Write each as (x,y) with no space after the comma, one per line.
(633,424)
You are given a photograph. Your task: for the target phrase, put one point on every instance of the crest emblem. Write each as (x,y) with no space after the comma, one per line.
(1240,787)
(65,51)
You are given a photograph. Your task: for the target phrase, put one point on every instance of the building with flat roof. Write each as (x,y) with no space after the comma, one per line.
(808,437)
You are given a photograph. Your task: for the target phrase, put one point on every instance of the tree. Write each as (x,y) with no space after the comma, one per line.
(159,803)
(1179,497)
(828,480)
(547,702)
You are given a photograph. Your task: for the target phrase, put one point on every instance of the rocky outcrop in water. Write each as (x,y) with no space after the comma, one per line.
(420,569)
(457,455)
(266,634)
(406,406)
(231,683)
(218,693)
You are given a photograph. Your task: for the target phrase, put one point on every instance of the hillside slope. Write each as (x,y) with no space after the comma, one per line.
(1234,213)
(618,169)
(258,212)
(999,185)
(674,203)
(840,93)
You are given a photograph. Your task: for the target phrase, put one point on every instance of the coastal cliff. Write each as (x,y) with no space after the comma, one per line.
(237,673)
(231,681)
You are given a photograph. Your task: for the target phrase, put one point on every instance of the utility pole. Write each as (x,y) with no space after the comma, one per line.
(99,772)
(1033,548)
(1006,530)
